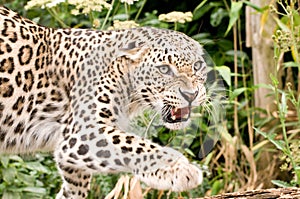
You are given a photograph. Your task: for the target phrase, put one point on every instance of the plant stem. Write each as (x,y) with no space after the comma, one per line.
(107,15)
(244,75)
(282,113)
(126,10)
(55,15)
(284,133)
(116,8)
(294,49)
(236,120)
(140,10)
(91,17)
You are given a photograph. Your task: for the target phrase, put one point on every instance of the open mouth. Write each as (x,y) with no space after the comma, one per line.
(174,115)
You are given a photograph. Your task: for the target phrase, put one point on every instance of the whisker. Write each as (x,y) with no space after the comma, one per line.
(150,123)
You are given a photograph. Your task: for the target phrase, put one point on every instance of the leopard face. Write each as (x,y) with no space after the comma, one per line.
(170,78)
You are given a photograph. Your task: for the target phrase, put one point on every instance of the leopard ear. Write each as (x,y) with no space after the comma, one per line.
(133,50)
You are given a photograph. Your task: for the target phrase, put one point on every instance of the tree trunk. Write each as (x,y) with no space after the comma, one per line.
(283,193)
(259,30)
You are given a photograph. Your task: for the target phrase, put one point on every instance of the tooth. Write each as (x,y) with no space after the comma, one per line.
(173,117)
(186,116)
(175,110)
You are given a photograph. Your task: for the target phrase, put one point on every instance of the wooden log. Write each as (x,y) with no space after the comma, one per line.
(281,193)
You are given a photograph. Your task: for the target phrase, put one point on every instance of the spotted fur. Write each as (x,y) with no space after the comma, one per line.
(73,91)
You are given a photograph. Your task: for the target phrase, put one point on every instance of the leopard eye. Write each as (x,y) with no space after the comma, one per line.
(165,69)
(197,65)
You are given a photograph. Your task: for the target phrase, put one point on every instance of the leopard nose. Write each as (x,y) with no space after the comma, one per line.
(188,96)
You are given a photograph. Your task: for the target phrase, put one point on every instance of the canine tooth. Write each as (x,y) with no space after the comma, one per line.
(186,116)
(173,117)
(175,110)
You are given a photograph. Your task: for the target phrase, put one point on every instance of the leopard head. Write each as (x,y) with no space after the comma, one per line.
(168,73)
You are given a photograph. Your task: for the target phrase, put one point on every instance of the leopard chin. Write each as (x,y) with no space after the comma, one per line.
(177,125)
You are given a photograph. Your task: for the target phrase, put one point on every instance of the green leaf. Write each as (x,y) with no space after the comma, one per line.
(225,44)
(200,5)
(281,25)
(28,180)
(234,14)
(255,7)
(238,53)
(261,132)
(297,168)
(296,18)
(203,39)
(201,36)
(11,195)
(36,190)
(4,160)
(36,166)
(274,80)
(9,174)
(16,158)
(190,152)
(279,144)
(216,187)
(198,13)
(121,17)
(267,86)
(291,64)
(217,16)
(202,9)
(237,92)
(225,73)
(281,183)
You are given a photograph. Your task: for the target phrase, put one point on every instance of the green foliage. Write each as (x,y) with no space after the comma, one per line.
(286,40)
(234,14)
(102,185)
(28,177)
(231,162)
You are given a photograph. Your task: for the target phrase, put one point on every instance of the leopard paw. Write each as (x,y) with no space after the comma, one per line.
(180,176)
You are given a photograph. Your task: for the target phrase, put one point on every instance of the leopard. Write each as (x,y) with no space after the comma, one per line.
(73,92)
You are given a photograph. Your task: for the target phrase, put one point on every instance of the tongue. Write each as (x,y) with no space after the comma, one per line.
(180,112)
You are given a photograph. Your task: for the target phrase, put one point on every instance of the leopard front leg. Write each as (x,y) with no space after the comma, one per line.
(76,181)
(108,150)
(159,167)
